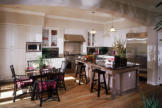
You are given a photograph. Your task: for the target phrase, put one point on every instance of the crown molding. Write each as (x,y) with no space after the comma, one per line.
(117,20)
(21,25)
(22,11)
(74,19)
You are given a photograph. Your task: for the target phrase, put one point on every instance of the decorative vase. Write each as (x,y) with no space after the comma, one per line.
(123,62)
(120,62)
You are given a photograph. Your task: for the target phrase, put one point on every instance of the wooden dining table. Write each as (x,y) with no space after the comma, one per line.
(124,79)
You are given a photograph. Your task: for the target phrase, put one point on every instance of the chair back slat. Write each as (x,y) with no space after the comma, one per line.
(63,66)
(47,84)
(13,71)
(47,75)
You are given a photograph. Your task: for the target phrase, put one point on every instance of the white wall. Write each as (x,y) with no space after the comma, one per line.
(152,56)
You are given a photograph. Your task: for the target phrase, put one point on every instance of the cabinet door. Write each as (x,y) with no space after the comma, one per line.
(49,37)
(34,34)
(45,37)
(53,37)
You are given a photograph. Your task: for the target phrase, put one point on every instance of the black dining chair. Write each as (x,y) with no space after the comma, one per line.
(20,82)
(47,87)
(61,75)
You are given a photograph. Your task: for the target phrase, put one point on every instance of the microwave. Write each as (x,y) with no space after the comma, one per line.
(33,46)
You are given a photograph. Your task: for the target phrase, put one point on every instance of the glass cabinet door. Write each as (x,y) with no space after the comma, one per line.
(45,37)
(49,37)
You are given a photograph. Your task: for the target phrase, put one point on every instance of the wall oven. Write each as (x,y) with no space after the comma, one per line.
(33,46)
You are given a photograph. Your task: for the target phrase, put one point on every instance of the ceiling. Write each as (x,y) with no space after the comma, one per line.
(145,4)
(142,11)
(66,12)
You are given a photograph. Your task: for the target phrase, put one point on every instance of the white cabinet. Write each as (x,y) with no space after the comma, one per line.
(49,37)
(33,34)
(91,39)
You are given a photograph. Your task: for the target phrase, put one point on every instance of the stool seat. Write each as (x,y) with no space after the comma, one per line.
(99,72)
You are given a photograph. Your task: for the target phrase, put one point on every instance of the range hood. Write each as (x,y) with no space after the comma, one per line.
(73,38)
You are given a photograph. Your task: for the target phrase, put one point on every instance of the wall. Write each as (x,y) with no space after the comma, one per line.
(152,57)
(16,30)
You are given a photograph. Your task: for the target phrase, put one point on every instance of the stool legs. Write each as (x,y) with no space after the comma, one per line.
(109,82)
(76,71)
(99,83)
(86,81)
(92,84)
(81,75)
(105,84)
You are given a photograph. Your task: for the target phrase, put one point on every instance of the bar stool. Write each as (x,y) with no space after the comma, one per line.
(99,72)
(80,69)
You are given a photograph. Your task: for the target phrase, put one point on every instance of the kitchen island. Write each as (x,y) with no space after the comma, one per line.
(120,80)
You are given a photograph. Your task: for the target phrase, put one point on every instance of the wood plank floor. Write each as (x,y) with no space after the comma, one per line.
(80,97)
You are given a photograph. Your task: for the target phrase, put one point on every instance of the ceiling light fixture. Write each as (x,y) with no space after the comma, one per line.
(112,29)
(93,31)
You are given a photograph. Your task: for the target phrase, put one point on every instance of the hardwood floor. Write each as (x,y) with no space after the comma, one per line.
(80,97)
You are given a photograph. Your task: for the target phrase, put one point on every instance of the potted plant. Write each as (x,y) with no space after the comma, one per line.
(151,102)
(41,62)
(120,53)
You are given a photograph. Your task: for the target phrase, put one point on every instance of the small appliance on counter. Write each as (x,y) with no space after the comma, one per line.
(105,60)
(109,62)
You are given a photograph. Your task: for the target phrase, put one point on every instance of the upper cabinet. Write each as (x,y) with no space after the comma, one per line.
(49,37)
(32,33)
(91,39)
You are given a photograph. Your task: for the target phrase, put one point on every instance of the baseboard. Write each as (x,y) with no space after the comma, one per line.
(6,81)
(152,83)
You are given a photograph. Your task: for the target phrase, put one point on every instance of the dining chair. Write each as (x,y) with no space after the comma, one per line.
(47,87)
(20,82)
(61,75)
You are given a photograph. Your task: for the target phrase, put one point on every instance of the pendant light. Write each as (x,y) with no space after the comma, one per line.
(93,31)
(112,29)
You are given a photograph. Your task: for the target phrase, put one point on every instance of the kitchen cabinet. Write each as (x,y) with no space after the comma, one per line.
(91,39)
(49,38)
(33,34)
